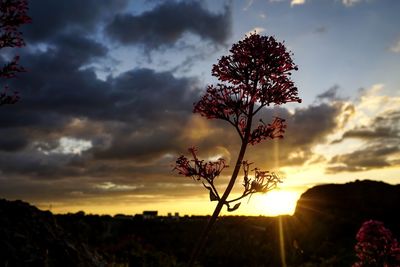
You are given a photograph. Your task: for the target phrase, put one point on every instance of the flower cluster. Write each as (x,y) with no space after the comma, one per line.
(10,69)
(262,66)
(376,246)
(202,171)
(263,181)
(6,98)
(258,71)
(13,14)
(268,131)
(255,74)
(222,102)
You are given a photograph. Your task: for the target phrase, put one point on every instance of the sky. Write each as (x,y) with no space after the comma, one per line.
(107,99)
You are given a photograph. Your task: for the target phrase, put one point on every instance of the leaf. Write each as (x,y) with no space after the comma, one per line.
(213,197)
(237,205)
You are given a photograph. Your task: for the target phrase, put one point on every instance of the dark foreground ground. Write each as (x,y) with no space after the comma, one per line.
(321,233)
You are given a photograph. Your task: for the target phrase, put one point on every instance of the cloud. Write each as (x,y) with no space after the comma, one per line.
(308,127)
(248,5)
(376,126)
(134,116)
(12,141)
(130,127)
(297,2)
(135,138)
(162,27)
(138,122)
(395,48)
(330,94)
(350,3)
(371,157)
(52,18)
(257,30)
(72,132)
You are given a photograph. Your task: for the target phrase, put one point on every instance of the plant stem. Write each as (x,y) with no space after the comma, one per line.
(203,238)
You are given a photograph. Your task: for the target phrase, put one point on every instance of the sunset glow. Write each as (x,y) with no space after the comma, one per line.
(279,202)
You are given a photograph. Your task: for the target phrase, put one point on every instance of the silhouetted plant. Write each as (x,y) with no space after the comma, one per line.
(13,14)
(254,75)
(376,246)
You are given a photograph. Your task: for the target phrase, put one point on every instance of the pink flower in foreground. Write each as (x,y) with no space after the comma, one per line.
(256,74)
(376,246)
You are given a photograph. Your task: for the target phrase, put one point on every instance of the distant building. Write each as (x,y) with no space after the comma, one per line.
(150,214)
(173,217)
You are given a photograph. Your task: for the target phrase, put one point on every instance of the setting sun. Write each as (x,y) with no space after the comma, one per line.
(278,202)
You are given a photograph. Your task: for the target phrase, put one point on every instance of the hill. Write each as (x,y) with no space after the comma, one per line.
(327,217)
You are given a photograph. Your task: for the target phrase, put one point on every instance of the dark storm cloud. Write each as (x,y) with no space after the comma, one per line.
(371,133)
(382,148)
(372,157)
(150,95)
(57,86)
(168,22)
(381,129)
(54,17)
(136,115)
(37,165)
(306,127)
(144,146)
(12,141)
(54,85)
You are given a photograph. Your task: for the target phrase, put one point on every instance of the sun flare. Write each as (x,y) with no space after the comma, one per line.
(279,202)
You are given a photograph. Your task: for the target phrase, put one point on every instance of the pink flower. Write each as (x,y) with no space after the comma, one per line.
(13,13)
(198,169)
(376,246)
(255,74)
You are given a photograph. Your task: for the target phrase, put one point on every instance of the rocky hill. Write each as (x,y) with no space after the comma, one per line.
(327,217)
(358,201)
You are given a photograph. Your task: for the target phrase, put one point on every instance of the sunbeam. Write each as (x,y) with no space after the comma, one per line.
(281,242)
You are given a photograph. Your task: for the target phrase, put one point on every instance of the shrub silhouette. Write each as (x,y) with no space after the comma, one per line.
(254,75)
